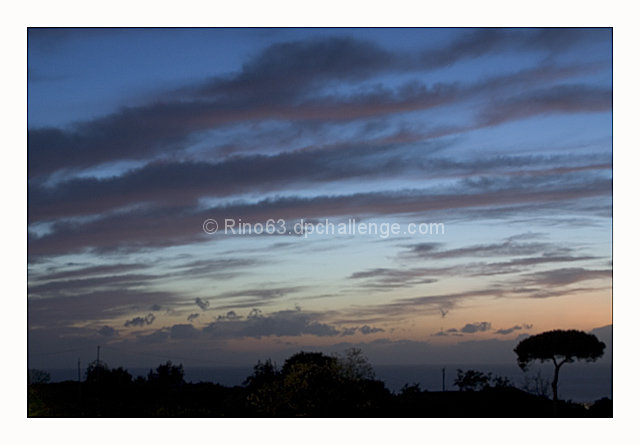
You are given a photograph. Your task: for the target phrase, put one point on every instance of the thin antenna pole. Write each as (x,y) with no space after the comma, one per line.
(443,386)
(78,369)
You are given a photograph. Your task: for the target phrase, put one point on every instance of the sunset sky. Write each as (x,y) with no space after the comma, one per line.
(136,137)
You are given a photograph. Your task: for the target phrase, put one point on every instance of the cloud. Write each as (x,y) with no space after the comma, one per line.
(449,332)
(291,67)
(231,315)
(170,183)
(469,328)
(514,328)
(565,276)
(159,336)
(480,42)
(605,334)
(386,351)
(365,330)
(83,272)
(433,304)
(325,127)
(107,331)
(202,304)
(183,332)
(280,324)
(140,321)
(557,99)
(161,227)
(83,285)
(385,278)
(505,248)
(247,298)
(286,69)
(289,81)
(399,308)
(370,330)
(93,306)
(472,328)
(225,268)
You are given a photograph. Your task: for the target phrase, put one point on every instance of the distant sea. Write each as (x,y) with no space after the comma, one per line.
(579,382)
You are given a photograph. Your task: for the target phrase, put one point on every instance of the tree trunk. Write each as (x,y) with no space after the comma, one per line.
(554,384)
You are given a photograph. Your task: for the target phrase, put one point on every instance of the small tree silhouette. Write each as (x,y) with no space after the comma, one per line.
(167,374)
(471,380)
(560,347)
(263,373)
(355,366)
(96,372)
(536,384)
(38,376)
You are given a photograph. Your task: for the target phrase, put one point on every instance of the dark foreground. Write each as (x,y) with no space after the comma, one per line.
(308,385)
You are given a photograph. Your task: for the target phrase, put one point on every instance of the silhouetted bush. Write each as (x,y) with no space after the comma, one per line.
(601,408)
(308,384)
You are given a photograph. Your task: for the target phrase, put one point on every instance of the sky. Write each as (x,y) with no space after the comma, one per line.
(489,150)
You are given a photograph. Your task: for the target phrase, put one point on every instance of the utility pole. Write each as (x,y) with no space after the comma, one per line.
(99,381)
(79,389)
(443,379)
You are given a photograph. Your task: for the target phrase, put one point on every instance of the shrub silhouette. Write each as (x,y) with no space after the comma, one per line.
(167,374)
(315,384)
(308,384)
(472,380)
(38,376)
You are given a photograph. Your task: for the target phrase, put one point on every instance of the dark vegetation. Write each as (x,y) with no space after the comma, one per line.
(308,384)
(559,347)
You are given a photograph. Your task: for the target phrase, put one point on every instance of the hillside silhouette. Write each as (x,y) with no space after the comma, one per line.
(309,384)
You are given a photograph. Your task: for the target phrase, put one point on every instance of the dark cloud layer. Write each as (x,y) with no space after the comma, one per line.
(140,321)
(276,84)
(333,127)
(202,304)
(281,323)
(508,331)
(93,306)
(171,183)
(161,227)
(472,328)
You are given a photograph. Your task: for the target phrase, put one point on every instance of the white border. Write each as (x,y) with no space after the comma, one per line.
(303,14)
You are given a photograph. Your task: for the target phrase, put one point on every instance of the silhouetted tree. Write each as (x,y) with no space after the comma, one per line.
(559,347)
(310,383)
(315,384)
(471,380)
(355,366)
(167,374)
(500,382)
(475,380)
(412,389)
(536,385)
(262,373)
(96,371)
(119,377)
(38,376)
(99,372)
(265,389)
